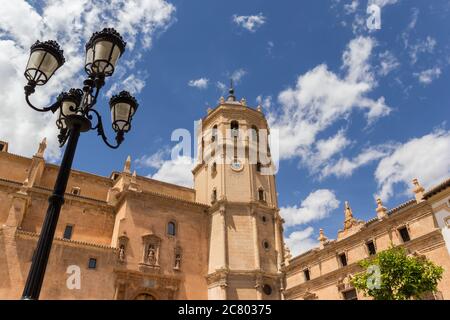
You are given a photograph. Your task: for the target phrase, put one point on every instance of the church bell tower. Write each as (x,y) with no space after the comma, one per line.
(235,176)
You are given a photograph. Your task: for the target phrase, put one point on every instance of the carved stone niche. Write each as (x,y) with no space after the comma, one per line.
(177,256)
(151,247)
(344,283)
(122,245)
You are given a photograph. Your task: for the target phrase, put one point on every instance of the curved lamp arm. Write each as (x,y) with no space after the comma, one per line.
(51,108)
(101,132)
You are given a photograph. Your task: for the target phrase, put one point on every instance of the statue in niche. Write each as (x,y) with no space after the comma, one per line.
(122,253)
(177,261)
(151,254)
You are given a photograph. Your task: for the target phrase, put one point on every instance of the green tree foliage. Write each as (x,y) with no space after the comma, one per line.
(393,275)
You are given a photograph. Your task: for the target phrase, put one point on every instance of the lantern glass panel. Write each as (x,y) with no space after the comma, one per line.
(41,66)
(105,57)
(66,107)
(120,114)
(89,59)
(49,65)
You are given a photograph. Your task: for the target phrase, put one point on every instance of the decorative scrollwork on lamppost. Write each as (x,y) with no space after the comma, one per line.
(76,111)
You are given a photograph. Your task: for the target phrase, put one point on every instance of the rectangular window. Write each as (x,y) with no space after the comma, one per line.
(350,295)
(307,275)
(343,259)
(404,234)
(371,248)
(1,146)
(68,232)
(92,263)
(76,191)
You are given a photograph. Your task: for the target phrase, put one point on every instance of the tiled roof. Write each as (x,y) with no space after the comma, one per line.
(436,189)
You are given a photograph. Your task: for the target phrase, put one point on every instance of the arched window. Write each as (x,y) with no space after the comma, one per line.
(255,136)
(234,133)
(171,228)
(203,149)
(214,196)
(261,194)
(214,133)
(234,126)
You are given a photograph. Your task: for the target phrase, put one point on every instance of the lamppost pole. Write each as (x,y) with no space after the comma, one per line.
(76,112)
(40,259)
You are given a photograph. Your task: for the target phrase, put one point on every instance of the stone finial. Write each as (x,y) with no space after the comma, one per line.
(41,149)
(381,210)
(349,219)
(222,100)
(127,166)
(209,110)
(322,238)
(244,102)
(418,190)
(259,108)
(287,255)
(134,186)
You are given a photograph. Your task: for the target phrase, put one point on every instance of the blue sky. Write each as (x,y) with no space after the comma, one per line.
(366,110)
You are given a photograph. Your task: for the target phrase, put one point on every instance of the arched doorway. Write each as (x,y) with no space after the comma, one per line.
(144,296)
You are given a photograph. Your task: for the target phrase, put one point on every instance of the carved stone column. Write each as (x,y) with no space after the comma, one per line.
(224,236)
(254,215)
(18,209)
(278,242)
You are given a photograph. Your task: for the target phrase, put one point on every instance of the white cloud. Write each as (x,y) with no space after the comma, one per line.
(238,74)
(359,23)
(270,46)
(155,160)
(137,21)
(221,86)
(421,47)
(264,102)
(201,83)
(412,24)
(382,3)
(351,7)
(133,84)
(301,241)
(251,23)
(170,165)
(425,158)
(344,167)
(329,147)
(388,62)
(427,76)
(316,206)
(176,171)
(320,98)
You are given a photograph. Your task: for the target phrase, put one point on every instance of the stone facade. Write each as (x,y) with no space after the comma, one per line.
(420,225)
(131,237)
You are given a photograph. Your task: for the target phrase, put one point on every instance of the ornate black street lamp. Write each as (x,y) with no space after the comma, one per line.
(75,113)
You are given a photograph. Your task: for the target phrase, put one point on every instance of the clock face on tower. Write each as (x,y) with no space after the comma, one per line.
(236,165)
